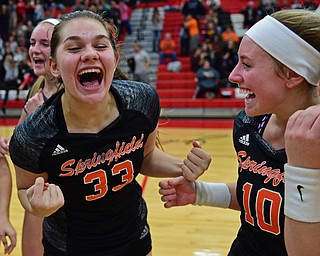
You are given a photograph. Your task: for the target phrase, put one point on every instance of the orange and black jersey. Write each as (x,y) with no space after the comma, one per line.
(260,190)
(104,212)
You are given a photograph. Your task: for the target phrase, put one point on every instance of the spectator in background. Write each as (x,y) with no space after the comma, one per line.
(125,19)
(167,49)
(142,63)
(210,32)
(10,78)
(194,8)
(309,5)
(195,59)
(156,28)
(5,22)
(207,81)
(184,40)
(2,55)
(228,61)
(21,9)
(296,5)
(250,15)
(230,35)
(115,15)
(192,24)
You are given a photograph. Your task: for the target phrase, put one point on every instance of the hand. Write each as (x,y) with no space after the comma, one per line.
(34,102)
(7,231)
(44,198)
(177,192)
(196,162)
(302,138)
(4,147)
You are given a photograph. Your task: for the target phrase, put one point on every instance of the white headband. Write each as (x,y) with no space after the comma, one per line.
(51,21)
(287,47)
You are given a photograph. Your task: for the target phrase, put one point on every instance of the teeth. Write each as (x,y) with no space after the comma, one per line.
(245,91)
(90,70)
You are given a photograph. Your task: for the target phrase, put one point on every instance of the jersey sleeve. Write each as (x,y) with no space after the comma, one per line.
(30,137)
(140,97)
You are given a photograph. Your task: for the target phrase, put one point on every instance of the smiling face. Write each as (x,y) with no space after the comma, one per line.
(85,60)
(39,50)
(256,76)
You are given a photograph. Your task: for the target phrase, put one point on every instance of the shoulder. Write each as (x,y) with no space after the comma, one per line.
(30,137)
(128,89)
(137,96)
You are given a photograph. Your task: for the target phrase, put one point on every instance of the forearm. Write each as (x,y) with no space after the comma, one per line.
(302,238)
(22,194)
(302,210)
(216,194)
(5,187)
(160,164)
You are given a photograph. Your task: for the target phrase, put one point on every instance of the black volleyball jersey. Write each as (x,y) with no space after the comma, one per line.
(260,190)
(104,210)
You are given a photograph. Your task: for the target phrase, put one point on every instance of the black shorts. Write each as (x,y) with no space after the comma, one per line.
(139,246)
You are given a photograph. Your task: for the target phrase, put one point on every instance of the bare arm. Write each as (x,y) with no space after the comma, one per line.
(6,229)
(157,163)
(302,142)
(36,195)
(160,164)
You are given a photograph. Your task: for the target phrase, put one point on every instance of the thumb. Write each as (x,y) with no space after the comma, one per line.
(196,144)
(37,189)
(177,181)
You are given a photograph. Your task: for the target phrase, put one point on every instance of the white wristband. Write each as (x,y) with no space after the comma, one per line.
(302,193)
(212,194)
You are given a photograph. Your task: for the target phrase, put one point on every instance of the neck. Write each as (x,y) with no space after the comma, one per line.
(50,87)
(82,117)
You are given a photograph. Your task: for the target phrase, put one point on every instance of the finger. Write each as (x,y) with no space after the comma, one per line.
(30,192)
(176,181)
(188,174)
(9,249)
(40,95)
(56,194)
(316,123)
(36,191)
(167,191)
(168,198)
(169,204)
(13,239)
(45,186)
(4,241)
(196,144)
(13,244)
(164,184)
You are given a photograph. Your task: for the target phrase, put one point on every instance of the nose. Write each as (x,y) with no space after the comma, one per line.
(89,54)
(35,48)
(234,76)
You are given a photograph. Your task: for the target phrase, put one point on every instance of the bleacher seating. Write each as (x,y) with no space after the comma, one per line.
(177,88)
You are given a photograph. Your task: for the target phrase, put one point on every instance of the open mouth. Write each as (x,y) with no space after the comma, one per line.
(38,61)
(249,93)
(90,78)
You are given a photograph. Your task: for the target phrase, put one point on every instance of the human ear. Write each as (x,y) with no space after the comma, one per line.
(293,79)
(117,58)
(54,68)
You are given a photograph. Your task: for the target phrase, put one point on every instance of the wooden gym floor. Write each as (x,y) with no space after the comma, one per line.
(181,231)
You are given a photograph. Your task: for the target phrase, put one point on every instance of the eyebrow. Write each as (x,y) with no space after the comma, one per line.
(78,38)
(41,40)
